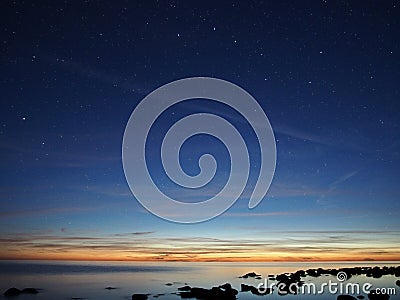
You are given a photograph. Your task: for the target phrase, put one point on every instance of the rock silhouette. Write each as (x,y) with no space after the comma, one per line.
(222,292)
(249,275)
(12,292)
(15,292)
(287,283)
(254,290)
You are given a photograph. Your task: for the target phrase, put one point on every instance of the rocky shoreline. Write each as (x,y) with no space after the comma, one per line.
(282,285)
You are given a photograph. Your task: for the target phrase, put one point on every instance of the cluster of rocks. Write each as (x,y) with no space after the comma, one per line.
(375,272)
(286,280)
(283,283)
(251,275)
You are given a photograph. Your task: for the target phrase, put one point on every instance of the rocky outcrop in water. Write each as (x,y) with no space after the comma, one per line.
(250,275)
(222,292)
(16,292)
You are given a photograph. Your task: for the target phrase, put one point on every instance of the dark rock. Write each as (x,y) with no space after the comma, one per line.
(377,296)
(169,283)
(376,272)
(226,286)
(222,292)
(30,291)
(360,297)
(254,290)
(12,292)
(184,288)
(288,283)
(398,282)
(282,277)
(198,293)
(312,273)
(251,274)
(15,292)
(345,297)
(246,288)
(110,288)
(348,271)
(139,297)
(300,273)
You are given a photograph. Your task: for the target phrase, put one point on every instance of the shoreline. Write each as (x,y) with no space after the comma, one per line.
(283,284)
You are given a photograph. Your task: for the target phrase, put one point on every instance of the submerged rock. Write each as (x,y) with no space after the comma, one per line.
(12,292)
(222,292)
(15,292)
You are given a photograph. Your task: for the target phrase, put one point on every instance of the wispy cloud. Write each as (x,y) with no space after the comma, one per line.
(148,245)
(134,233)
(344,178)
(333,185)
(331,139)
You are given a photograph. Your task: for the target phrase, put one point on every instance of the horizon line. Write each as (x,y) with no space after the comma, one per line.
(207,260)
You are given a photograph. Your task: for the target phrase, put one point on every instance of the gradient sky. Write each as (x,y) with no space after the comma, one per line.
(325,72)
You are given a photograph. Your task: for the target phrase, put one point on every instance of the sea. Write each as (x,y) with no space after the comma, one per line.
(161,280)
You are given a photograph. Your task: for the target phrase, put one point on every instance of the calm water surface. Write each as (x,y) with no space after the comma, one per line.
(66,280)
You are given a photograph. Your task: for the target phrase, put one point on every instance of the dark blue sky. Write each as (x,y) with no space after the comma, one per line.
(326,73)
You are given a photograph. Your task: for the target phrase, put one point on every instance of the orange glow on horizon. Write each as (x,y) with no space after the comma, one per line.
(147,246)
(222,257)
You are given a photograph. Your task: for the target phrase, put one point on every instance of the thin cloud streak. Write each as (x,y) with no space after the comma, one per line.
(148,245)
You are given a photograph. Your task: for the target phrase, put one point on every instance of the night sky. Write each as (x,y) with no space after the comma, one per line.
(326,73)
